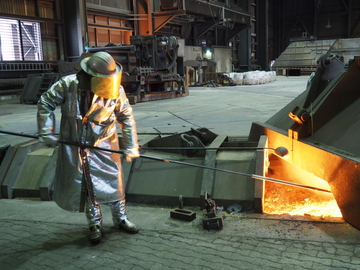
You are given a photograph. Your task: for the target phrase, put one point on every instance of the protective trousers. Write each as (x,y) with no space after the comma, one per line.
(94,215)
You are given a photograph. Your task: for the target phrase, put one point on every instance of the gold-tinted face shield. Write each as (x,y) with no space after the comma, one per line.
(106,87)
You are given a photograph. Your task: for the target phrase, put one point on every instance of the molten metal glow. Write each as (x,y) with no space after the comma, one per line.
(307,208)
(280,200)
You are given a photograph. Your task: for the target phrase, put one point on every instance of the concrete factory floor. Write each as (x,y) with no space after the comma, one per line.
(39,235)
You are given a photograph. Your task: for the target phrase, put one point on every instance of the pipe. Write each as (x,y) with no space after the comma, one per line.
(279,151)
(254,176)
(63,142)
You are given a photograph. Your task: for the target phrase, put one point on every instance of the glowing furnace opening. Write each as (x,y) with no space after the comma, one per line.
(282,199)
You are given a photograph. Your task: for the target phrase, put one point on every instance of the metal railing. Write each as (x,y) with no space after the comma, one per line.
(26,65)
(13,74)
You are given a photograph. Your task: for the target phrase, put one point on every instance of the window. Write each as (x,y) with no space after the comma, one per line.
(20,40)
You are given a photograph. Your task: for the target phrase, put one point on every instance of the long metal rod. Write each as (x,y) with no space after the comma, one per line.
(207,148)
(254,176)
(237,173)
(63,142)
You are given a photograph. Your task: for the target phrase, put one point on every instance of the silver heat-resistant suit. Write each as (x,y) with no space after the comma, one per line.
(86,177)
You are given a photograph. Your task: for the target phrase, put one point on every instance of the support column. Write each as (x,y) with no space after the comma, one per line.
(263,34)
(244,50)
(75,28)
(144,7)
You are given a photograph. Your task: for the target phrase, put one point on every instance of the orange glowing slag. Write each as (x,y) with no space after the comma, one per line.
(280,200)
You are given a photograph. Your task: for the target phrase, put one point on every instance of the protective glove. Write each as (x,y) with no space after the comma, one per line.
(49,140)
(130,154)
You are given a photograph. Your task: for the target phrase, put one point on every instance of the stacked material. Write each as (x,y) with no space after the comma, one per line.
(252,77)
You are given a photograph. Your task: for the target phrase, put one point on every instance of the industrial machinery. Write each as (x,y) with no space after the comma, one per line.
(151,67)
(320,128)
(300,57)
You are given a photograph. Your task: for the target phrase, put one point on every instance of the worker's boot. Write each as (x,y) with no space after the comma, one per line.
(94,218)
(95,234)
(120,219)
(128,226)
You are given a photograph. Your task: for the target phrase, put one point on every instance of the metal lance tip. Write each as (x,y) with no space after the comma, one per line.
(281,151)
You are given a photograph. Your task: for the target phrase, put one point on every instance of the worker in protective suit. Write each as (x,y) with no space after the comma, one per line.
(92,102)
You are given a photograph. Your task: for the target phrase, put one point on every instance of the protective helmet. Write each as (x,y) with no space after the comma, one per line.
(105,72)
(100,64)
